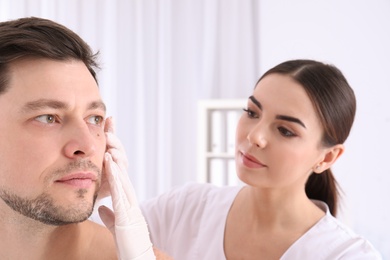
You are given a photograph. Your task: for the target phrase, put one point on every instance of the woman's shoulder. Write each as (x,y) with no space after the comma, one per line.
(333,227)
(332,239)
(343,242)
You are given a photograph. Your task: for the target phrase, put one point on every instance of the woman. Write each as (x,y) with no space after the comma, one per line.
(292,131)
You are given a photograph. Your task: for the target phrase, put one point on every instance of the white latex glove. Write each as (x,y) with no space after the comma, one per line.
(126,223)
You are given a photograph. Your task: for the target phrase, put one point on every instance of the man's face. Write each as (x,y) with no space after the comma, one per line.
(52,141)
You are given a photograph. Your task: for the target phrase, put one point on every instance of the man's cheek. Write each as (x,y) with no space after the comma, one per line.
(104,187)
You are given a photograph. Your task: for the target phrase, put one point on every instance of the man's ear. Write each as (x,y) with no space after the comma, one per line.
(330,157)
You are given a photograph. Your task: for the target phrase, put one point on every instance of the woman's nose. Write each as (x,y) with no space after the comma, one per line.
(257,135)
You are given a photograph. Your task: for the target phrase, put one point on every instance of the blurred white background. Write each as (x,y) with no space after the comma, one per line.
(160,57)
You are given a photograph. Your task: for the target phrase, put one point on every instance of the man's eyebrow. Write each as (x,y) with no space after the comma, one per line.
(291,119)
(56,104)
(97,105)
(256,102)
(43,103)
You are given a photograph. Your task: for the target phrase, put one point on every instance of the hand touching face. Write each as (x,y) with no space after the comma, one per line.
(117,151)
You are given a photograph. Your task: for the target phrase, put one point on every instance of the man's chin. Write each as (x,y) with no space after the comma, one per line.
(74,215)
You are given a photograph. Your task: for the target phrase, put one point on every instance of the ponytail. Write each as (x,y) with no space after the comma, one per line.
(323,187)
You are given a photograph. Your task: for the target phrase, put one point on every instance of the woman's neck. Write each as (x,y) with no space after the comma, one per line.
(277,209)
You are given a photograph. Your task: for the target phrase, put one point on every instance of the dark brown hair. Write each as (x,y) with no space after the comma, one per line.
(40,38)
(335,104)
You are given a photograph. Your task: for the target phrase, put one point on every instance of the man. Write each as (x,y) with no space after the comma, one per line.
(53,140)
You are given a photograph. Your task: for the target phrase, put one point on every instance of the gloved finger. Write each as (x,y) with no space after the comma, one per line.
(119,157)
(123,198)
(127,187)
(108,218)
(119,181)
(113,141)
(113,171)
(104,187)
(109,125)
(124,183)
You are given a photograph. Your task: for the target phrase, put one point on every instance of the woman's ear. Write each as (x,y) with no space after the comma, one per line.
(330,157)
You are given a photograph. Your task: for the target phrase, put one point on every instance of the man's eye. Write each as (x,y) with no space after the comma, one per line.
(46,119)
(96,120)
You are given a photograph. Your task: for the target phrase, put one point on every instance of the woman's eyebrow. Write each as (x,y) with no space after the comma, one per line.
(280,117)
(290,119)
(256,102)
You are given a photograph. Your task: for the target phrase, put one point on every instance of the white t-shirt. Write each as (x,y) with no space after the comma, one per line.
(188,223)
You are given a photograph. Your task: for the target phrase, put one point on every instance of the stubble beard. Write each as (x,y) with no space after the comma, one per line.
(44,209)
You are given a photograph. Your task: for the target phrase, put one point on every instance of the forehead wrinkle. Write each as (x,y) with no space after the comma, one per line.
(42,104)
(56,104)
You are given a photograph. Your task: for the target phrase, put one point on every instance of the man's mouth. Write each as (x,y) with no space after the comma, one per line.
(82,180)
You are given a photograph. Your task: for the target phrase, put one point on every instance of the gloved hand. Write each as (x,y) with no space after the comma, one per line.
(126,223)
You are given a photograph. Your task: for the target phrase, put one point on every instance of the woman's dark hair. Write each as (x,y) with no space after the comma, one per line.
(335,104)
(34,37)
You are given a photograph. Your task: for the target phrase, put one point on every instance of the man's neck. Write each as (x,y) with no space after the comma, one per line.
(26,238)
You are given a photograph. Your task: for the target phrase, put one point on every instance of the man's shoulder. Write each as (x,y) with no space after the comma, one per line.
(102,243)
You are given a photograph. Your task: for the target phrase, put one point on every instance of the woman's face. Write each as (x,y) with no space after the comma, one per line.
(278,139)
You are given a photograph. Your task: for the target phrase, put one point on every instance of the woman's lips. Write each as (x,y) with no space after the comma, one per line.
(251,162)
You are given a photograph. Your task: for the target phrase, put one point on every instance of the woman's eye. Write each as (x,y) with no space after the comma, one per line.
(285,132)
(96,120)
(46,119)
(250,113)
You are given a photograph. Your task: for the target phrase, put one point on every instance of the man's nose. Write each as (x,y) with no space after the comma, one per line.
(80,141)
